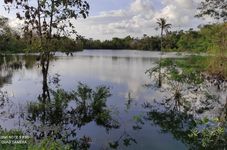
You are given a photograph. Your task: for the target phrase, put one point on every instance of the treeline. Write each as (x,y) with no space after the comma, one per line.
(200,40)
(145,43)
(192,40)
(14,42)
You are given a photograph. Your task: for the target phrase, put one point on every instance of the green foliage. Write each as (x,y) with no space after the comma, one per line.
(145,43)
(206,39)
(217,62)
(185,70)
(12,42)
(60,44)
(114,145)
(210,135)
(189,41)
(87,105)
(48,144)
(48,20)
(194,132)
(125,139)
(213,8)
(202,40)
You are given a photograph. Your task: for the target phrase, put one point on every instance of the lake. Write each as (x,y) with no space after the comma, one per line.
(121,71)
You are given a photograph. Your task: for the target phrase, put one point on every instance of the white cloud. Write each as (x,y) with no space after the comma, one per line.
(179,12)
(139,6)
(139,18)
(15,23)
(133,20)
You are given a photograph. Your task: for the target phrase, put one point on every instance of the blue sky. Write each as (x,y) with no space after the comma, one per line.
(98,6)
(119,18)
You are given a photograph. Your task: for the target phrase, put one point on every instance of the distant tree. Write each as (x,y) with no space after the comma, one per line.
(217,9)
(10,40)
(3,22)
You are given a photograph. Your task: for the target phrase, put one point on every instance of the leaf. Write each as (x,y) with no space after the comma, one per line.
(114,145)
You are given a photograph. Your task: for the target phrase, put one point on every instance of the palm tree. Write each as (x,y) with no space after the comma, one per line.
(164,26)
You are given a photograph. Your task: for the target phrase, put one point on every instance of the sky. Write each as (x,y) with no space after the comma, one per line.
(120,18)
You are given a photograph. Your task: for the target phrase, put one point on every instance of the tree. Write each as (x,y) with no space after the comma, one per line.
(217,9)
(164,26)
(47,19)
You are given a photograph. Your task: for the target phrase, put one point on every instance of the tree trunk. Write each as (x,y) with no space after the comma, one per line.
(160,67)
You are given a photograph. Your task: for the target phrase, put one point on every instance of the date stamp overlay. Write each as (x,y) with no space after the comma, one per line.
(7,141)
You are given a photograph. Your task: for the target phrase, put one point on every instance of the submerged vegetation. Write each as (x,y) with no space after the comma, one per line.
(46,122)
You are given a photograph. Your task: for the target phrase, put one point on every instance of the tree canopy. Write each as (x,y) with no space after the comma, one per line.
(163,25)
(216,9)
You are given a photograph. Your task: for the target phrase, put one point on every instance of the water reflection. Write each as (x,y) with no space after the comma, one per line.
(85,117)
(121,70)
(117,70)
(58,114)
(194,132)
(62,114)
(191,113)
(12,63)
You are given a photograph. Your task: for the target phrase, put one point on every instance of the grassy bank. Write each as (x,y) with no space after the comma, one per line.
(195,69)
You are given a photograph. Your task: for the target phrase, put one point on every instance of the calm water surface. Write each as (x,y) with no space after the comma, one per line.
(122,71)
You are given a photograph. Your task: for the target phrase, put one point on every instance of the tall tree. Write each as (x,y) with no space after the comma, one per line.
(164,26)
(217,9)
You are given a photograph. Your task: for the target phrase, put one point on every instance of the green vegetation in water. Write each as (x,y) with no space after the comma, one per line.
(183,70)
(194,133)
(15,140)
(49,119)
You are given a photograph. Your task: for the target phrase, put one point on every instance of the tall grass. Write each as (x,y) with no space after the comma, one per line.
(217,61)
